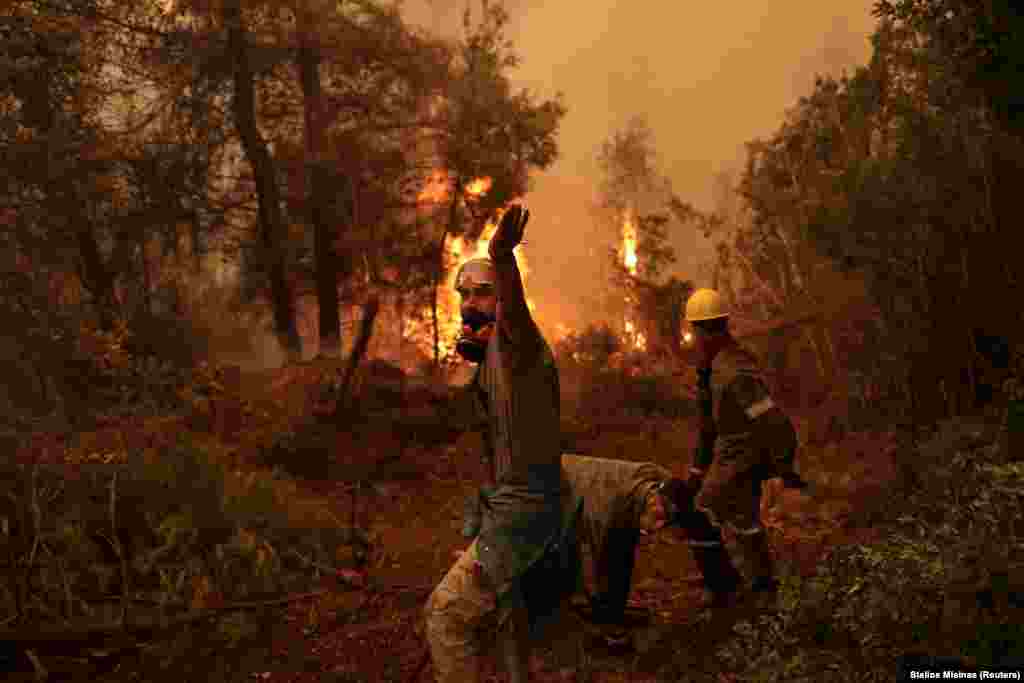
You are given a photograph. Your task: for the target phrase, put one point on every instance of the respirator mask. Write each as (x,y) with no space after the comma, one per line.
(475,276)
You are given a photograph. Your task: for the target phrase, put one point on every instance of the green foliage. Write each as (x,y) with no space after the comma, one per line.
(175,518)
(860,176)
(972,43)
(488,129)
(933,583)
(628,161)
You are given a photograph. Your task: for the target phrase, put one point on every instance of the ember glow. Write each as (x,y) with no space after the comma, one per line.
(478,187)
(437,188)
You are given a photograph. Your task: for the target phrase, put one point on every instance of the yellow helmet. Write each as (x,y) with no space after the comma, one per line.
(705,304)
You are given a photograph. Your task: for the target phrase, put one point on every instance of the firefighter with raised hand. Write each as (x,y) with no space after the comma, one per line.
(516,389)
(755,441)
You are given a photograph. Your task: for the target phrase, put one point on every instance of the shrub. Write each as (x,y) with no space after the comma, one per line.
(944,580)
(168,530)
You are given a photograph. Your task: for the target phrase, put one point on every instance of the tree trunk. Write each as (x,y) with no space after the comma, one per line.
(268,194)
(329,320)
(96,277)
(400,316)
(147,281)
(359,347)
(450,228)
(438,277)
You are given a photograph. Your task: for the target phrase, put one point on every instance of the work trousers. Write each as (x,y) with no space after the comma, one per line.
(463,618)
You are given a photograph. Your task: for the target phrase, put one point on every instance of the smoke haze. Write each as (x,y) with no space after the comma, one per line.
(709,77)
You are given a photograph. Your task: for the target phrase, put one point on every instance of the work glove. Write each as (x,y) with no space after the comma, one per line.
(510,232)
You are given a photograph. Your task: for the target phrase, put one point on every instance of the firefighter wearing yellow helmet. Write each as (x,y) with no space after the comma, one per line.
(755,440)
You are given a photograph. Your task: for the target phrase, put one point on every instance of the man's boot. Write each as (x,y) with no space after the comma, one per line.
(720,577)
(516,647)
(609,605)
(758,560)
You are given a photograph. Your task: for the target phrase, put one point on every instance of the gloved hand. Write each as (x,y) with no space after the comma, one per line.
(510,231)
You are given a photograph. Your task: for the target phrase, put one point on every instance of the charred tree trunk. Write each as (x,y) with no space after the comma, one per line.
(400,317)
(359,347)
(268,194)
(316,199)
(438,277)
(450,229)
(96,276)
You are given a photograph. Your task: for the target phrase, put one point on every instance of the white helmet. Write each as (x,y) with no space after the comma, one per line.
(475,272)
(705,304)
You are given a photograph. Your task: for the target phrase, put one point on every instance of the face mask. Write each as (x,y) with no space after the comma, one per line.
(477,328)
(475,319)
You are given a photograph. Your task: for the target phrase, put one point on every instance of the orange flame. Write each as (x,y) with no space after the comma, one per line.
(631,261)
(458,250)
(638,338)
(628,251)
(437,188)
(479,187)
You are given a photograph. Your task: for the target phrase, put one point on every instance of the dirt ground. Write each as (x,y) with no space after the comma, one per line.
(370,630)
(373,632)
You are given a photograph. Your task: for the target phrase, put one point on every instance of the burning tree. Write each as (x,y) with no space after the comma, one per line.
(639,201)
(456,251)
(489,140)
(630,262)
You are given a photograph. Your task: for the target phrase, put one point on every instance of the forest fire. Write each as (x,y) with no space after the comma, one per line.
(457,251)
(631,262)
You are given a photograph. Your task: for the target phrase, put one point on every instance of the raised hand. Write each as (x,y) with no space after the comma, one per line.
(510,231)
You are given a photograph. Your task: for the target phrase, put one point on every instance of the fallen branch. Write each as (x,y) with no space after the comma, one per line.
(85,634)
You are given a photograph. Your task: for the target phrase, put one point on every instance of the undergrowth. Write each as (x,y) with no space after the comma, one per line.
(149,536)
(947,579)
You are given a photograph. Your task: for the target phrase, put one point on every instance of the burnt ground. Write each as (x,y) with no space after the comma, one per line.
(370,630)
(373,632)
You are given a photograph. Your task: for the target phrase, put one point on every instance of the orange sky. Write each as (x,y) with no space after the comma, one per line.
(708,76)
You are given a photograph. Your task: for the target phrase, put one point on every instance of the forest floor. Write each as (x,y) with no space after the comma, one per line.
(367,626)
(374,632)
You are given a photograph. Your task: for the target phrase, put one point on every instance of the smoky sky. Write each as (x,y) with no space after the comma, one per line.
(708,77)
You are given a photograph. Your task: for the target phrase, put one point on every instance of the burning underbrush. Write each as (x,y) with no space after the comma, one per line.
(604,379)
